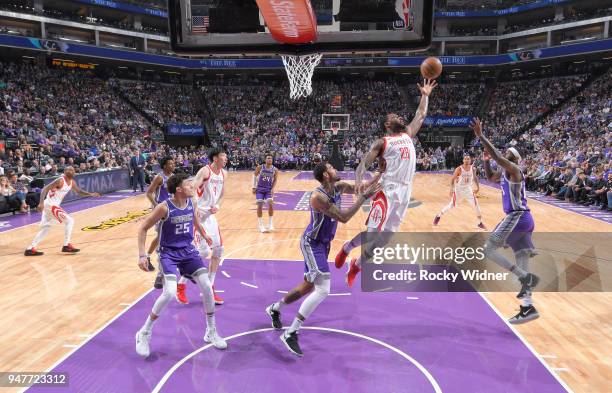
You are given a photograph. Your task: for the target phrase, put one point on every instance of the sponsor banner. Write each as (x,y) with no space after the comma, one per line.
(501,12)
(448,121)
(141,57)
(103,182)
(289,21)
(113,222)
(126,7)
(461,262)
(184,130)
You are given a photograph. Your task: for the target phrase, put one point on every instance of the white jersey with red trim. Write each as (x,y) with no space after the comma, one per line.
(209,192)
(466,178)
(56,196)
(400,158)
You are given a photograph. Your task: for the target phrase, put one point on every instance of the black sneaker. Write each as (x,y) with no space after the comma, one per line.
(526,314)
(70,249)
(275,315)
(159,281)
(527,284)
(291,342)
(31,252)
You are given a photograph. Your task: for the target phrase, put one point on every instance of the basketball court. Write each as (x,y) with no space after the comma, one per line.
(79,313)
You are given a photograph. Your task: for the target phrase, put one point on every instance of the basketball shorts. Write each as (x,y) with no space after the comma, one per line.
(263,196)
(514,231)
(52,214)
(315,258)
(211,227)
(461,194)
(389,207)
(180,262)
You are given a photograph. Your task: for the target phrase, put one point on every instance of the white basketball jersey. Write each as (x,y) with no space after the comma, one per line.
(56,195)
(400,157)
(466,178)
(210,191)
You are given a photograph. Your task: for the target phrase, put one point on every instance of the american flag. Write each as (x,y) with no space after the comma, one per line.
(199,24)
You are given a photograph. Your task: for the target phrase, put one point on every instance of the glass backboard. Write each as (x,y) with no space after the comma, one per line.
(236,27)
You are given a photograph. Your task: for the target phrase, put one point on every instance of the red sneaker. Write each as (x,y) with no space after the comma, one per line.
(340,258)
(482,226)
(218,300)
(70,248)
(352,273)
(32,252)
(180,294)
(436,220)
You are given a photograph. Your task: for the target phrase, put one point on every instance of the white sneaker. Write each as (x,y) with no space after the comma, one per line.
(142,343)
(271,228)
(262,229)
(213,337)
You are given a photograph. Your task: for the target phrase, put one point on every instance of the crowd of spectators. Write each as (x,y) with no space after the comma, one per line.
(569,154)
(165,103)
(52,118)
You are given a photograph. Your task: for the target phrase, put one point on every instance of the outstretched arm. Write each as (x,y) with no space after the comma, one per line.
(320,203)
(421,113)
(492,152)
(375,150)
(82,192)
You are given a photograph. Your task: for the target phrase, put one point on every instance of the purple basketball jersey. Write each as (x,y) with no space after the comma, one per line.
(265,179)
(513,194)
(176,230)
(162,193)
(322,228)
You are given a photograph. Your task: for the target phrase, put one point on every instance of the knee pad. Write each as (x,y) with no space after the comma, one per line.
(217,251)
(322,286)
(169,290)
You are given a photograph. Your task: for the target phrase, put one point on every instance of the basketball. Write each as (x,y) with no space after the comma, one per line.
(431,68)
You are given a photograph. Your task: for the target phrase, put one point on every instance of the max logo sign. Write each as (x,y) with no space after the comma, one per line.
(113,222)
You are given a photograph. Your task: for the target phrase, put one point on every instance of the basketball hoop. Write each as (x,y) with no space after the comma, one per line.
(299,70)
(334,131)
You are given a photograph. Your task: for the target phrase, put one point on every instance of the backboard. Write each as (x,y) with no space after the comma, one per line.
(238,27)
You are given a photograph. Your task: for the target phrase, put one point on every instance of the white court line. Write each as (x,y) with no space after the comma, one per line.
(279,291)
(551,370)
(560,369)
(256,244)
(249,285)
(220,290)
(124,304)
(339,294)
(70,346)
(225,274)
(418,365)
(95,334)
(76,212)
(412,298)
(84,335)
(548,356)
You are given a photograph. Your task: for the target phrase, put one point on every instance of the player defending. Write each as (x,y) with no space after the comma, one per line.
(315,244)
(461,188)
(177,221)
(51,198)
(264,182)
(396,154)
(516,228)
(209,183)
(156,194)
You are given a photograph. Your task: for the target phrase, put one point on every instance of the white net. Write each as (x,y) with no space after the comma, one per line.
(300,70)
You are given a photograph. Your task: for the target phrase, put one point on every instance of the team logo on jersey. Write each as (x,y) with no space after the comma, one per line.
(113,222)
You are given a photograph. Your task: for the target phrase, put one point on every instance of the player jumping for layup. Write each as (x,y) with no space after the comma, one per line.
(315,244)
(461,188)
(177,220)
(156,194)
(399,160)
(51,197)
(264,182)
(209,183)
(516,228)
